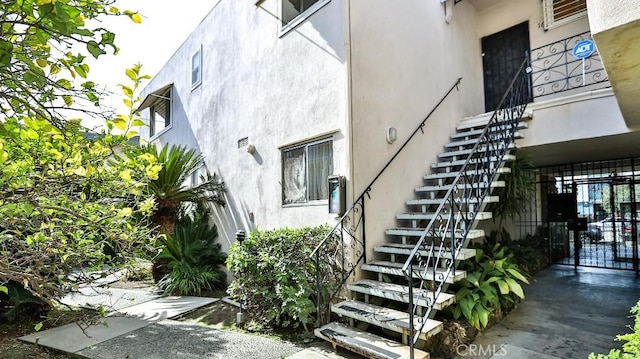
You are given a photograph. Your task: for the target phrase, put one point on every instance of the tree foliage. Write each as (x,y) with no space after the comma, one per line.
(64,199)
(43,47)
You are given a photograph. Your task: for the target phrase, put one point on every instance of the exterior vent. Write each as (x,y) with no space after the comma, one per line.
(558,12)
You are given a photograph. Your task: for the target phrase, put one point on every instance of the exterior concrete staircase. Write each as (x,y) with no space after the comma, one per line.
(424,234)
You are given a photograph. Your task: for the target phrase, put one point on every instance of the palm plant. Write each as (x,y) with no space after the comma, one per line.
(171,190)
(193,258)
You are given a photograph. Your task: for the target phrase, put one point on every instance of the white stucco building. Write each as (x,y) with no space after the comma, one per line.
(279,94)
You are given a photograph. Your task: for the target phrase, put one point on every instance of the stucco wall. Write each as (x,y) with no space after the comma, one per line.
(404,57)
(274,89)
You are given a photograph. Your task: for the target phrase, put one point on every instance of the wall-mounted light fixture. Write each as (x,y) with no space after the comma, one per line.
(392,135)
(251,148)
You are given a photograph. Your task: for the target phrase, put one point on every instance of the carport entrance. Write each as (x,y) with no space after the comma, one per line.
(589,213)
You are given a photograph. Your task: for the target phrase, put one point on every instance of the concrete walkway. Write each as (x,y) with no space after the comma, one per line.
(567,314)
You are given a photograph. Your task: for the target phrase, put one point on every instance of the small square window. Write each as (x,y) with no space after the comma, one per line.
(305,169)
(196,68)
(160,113)
(558,12)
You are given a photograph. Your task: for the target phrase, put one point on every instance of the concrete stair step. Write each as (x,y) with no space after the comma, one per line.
(451,175)
(417,232)
(419,272)
(481,121)
(474,133)
(467,140)
(437,201)
(452,166)
(467,151)
(400,293)
(366,344)
(405,249)
(387,318)
(446,187)
(428,216)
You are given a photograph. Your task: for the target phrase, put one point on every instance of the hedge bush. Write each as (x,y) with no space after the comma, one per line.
(274,277)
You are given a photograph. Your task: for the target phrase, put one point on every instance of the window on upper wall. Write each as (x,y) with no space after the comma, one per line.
(558,12)
(296,11)
(305,169)
(160,112)
(196,68)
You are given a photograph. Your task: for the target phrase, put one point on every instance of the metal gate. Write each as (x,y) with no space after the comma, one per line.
(588,213)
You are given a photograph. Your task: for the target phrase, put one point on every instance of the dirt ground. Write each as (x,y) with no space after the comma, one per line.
(217,315)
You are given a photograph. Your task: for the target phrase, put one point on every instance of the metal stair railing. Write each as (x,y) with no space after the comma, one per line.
(338,254)
(455,216)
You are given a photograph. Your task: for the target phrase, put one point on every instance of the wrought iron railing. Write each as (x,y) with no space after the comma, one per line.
(344,245)
(555,69)
(432,260)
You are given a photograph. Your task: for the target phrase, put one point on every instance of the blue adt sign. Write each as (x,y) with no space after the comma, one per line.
(584,49)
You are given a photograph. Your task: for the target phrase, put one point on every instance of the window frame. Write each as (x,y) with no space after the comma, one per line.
(305,145)
(198,53)
(164,96)
(302,17)
(548,13)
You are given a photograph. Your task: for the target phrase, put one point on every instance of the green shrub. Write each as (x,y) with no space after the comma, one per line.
(16,302)
(193,257)
(492,281)
(630,349)
(274,277)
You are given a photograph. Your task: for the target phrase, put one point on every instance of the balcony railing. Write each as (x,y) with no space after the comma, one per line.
(555,69)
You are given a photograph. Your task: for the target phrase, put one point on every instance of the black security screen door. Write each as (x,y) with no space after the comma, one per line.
(502,55)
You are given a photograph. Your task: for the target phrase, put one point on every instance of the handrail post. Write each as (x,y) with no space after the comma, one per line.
(318,290)
(364,233)
(411,304)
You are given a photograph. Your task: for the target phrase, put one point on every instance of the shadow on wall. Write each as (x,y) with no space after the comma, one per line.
(231,218)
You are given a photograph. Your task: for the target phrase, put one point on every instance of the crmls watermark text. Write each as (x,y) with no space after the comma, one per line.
(474,350)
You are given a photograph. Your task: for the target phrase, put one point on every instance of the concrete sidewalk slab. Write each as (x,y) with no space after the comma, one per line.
(70,338)
(110,298)
(164,308)
(174,339)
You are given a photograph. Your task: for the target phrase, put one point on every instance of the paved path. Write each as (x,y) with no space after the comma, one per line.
(139,325)
(567,314)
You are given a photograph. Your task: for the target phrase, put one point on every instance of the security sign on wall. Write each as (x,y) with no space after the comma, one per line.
(584,49)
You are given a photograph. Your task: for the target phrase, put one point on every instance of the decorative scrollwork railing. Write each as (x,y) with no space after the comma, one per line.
(343,248)
(432,260)
(555,69)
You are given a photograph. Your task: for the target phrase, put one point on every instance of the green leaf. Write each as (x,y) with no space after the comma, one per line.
(137,122)
(483,316)
(131,74)
(515,287)
(27,208)
(94,49)
(127,90)
(6,53)
(504,287)
(466,306)
(4,289)
(38,326)
(517,275)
